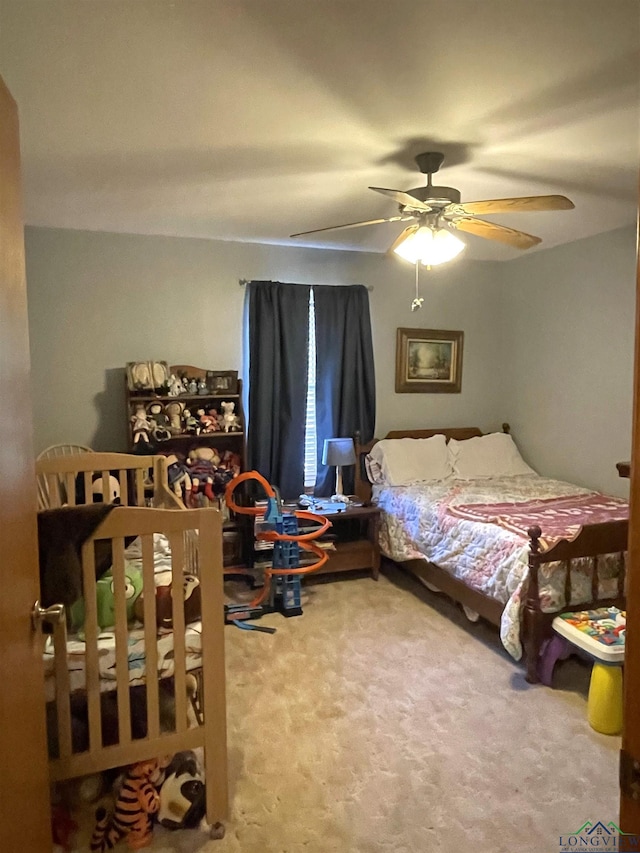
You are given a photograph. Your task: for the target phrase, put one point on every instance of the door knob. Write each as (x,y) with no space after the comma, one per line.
(54,615)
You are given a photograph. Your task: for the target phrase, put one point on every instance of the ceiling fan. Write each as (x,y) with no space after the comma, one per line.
(437,211)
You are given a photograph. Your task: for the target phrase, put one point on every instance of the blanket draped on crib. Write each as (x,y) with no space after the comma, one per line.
(61,534)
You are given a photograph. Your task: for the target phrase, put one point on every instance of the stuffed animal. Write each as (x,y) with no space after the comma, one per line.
(131,817)
(230,421)
(140,425)
(182,794)
(190,422)
(209,421)
(97,490)
(106,602)
(203,463)
(159,422)
(179,476)
(164,612)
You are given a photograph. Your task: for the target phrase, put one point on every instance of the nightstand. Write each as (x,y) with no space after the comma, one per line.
(356,540)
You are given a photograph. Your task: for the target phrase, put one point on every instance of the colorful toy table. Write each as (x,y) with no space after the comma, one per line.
(601,635)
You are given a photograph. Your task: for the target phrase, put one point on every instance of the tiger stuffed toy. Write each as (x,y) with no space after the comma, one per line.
(137,801)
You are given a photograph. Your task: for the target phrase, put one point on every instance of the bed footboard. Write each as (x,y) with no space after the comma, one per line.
(593,542)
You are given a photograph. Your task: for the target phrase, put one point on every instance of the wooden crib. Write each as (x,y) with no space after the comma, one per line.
(195,538)
(143,480)
(195,544)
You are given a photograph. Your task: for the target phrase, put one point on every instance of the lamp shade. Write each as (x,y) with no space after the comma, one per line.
(338,451)
(429,245)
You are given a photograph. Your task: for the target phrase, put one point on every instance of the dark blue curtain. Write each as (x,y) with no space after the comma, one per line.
(345,377)
(278,341)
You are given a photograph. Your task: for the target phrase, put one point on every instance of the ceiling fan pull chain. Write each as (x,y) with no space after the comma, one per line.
(417,302)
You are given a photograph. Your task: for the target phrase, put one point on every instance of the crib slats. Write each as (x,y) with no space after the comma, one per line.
(91,643)
(63,689)
(188,531)
(150,638)
(176,541)
(122,643)
(124,491)
(139,486)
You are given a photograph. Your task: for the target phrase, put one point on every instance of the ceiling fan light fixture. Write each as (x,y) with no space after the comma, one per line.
(431,246)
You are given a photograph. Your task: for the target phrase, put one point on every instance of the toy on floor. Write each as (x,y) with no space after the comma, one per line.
(182,794)
(281,589)
(131,818)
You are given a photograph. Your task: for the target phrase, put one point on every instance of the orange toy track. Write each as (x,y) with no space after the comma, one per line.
(305,540)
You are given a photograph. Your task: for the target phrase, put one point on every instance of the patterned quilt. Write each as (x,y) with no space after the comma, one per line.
(418,523)
(558,518)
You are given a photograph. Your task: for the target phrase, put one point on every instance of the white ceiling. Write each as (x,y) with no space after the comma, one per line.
(252,119)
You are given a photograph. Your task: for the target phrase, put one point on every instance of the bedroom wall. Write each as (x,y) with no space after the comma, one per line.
(568,323)
(98,300)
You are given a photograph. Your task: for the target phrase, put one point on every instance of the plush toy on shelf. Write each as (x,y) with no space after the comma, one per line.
(141,426)
(159,422)
(202,463)
(230,421)
(208,420)
(179,476)
(190,422)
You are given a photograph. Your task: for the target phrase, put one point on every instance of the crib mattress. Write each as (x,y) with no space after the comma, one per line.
(76,650)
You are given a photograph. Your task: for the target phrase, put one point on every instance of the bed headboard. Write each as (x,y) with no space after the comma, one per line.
(362,484)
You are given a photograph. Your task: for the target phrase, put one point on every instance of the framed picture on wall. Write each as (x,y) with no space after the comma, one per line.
(428,361)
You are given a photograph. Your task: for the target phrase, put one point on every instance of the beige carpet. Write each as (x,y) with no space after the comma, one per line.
(381,720)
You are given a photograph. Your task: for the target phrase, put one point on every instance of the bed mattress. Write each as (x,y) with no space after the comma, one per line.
(416,524)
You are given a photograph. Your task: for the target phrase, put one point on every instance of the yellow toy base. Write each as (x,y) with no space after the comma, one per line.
(604,708)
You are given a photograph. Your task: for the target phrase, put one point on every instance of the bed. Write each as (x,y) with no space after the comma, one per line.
(515,549)
(153,683)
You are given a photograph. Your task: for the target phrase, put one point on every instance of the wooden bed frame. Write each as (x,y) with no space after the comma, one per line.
(195,537)
(593,540)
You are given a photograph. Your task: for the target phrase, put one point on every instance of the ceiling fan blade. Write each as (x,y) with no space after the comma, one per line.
(515,205)
(410,229)
(482,228)
(350,225)
(402,198)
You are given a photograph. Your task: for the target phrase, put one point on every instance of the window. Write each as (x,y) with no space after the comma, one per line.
(310,377)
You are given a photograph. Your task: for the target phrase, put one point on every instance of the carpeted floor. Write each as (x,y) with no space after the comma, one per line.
(381,721)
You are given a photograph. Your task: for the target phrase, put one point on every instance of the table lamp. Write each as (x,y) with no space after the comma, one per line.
(338,452)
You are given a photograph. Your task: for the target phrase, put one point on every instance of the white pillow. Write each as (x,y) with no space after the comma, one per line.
(493,455)
(412,460)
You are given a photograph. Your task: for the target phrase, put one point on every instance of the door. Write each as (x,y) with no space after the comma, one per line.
(630,754)
(24,788)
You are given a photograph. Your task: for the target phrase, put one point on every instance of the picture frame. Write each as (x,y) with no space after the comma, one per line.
(222,381)
(147,375)
(428,361)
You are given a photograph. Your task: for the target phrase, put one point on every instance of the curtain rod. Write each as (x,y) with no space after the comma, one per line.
(243,281)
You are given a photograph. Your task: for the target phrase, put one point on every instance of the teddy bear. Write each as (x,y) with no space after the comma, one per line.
(230,421)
